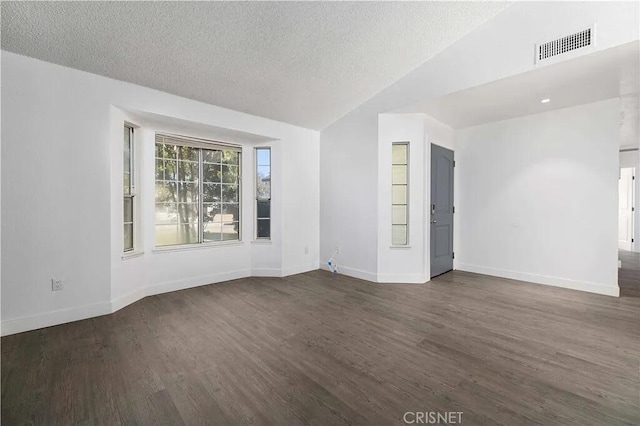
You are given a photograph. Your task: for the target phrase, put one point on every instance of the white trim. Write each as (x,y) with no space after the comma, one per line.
(400,247)
(284,272)
(299,269)
(402,279)
(357,273)
(590,287)
(265,241)
(63,316)
(131,255)
(196,246)
(51,318)
(266,272)
(175,285)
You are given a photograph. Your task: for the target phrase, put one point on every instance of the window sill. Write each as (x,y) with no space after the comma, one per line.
(264,241)
(400,247)
(187,247)
(131,255)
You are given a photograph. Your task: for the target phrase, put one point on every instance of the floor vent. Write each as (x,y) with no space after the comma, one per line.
(563,45)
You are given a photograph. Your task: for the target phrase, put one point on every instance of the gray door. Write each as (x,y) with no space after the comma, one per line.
(441,210)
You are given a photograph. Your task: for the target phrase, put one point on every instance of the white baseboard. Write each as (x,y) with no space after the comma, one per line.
(175,285)
(357,273)
(51,318)
(48,319)
(300,269)
(590,287)
(266,272)
(402,278)
(284,272)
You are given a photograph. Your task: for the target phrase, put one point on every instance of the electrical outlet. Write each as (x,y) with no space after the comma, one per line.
(56,285)
(337,249)
(306,249)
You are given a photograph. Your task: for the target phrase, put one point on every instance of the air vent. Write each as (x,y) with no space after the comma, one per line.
(551,49)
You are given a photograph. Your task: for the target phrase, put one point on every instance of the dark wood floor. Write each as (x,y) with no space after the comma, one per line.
(328,349)
(629,274)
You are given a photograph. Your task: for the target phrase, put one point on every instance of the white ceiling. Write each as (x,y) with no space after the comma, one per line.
(305,63)
(601,75)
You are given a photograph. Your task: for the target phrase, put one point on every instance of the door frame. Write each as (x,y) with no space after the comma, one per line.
(428,210)
(634,170)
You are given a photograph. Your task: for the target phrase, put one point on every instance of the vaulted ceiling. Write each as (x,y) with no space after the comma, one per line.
(304,63)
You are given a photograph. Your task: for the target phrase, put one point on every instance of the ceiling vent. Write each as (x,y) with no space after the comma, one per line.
(560,48)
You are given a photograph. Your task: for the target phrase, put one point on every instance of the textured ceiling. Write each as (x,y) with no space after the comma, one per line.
(305,63)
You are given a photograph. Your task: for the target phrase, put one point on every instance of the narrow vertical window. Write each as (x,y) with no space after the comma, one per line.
(263,193)
(129,188)
(400,194)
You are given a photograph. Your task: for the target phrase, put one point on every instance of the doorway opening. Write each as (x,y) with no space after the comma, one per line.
(629,258)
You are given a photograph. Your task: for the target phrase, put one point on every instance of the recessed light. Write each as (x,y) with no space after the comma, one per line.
(544,101)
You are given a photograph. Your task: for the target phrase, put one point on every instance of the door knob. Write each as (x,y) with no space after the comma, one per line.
(433,221)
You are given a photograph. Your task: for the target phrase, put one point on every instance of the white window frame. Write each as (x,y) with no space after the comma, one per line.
(258,199)
(132,193)
(200,144)
(407,201)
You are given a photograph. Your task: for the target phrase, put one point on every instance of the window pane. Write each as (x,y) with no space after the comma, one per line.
(211,192)
(399,235)
(399,175)
(230,193)
(187,171)
(229,174)
(263,182)
(128,237)
(212,212)
(187,213)
(176,234)
(166,213)
(166,151)
(399,194)
(211,156)
(126,166)
(264,228)
(128,209)
(230,157)
(264,209)
(263,156)
(399,215)
(264,172)
(263,191)
(230,212)
(230,231)
(127,184)
(188,153)
(210,236)
(211,173)
(187,192)
(399,154)
(169,168)
(166,192)
(159,169)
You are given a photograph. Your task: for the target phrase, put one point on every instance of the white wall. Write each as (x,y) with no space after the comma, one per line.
(62,208)
(536,198)
(408,264)
(632,159)
(502,47)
